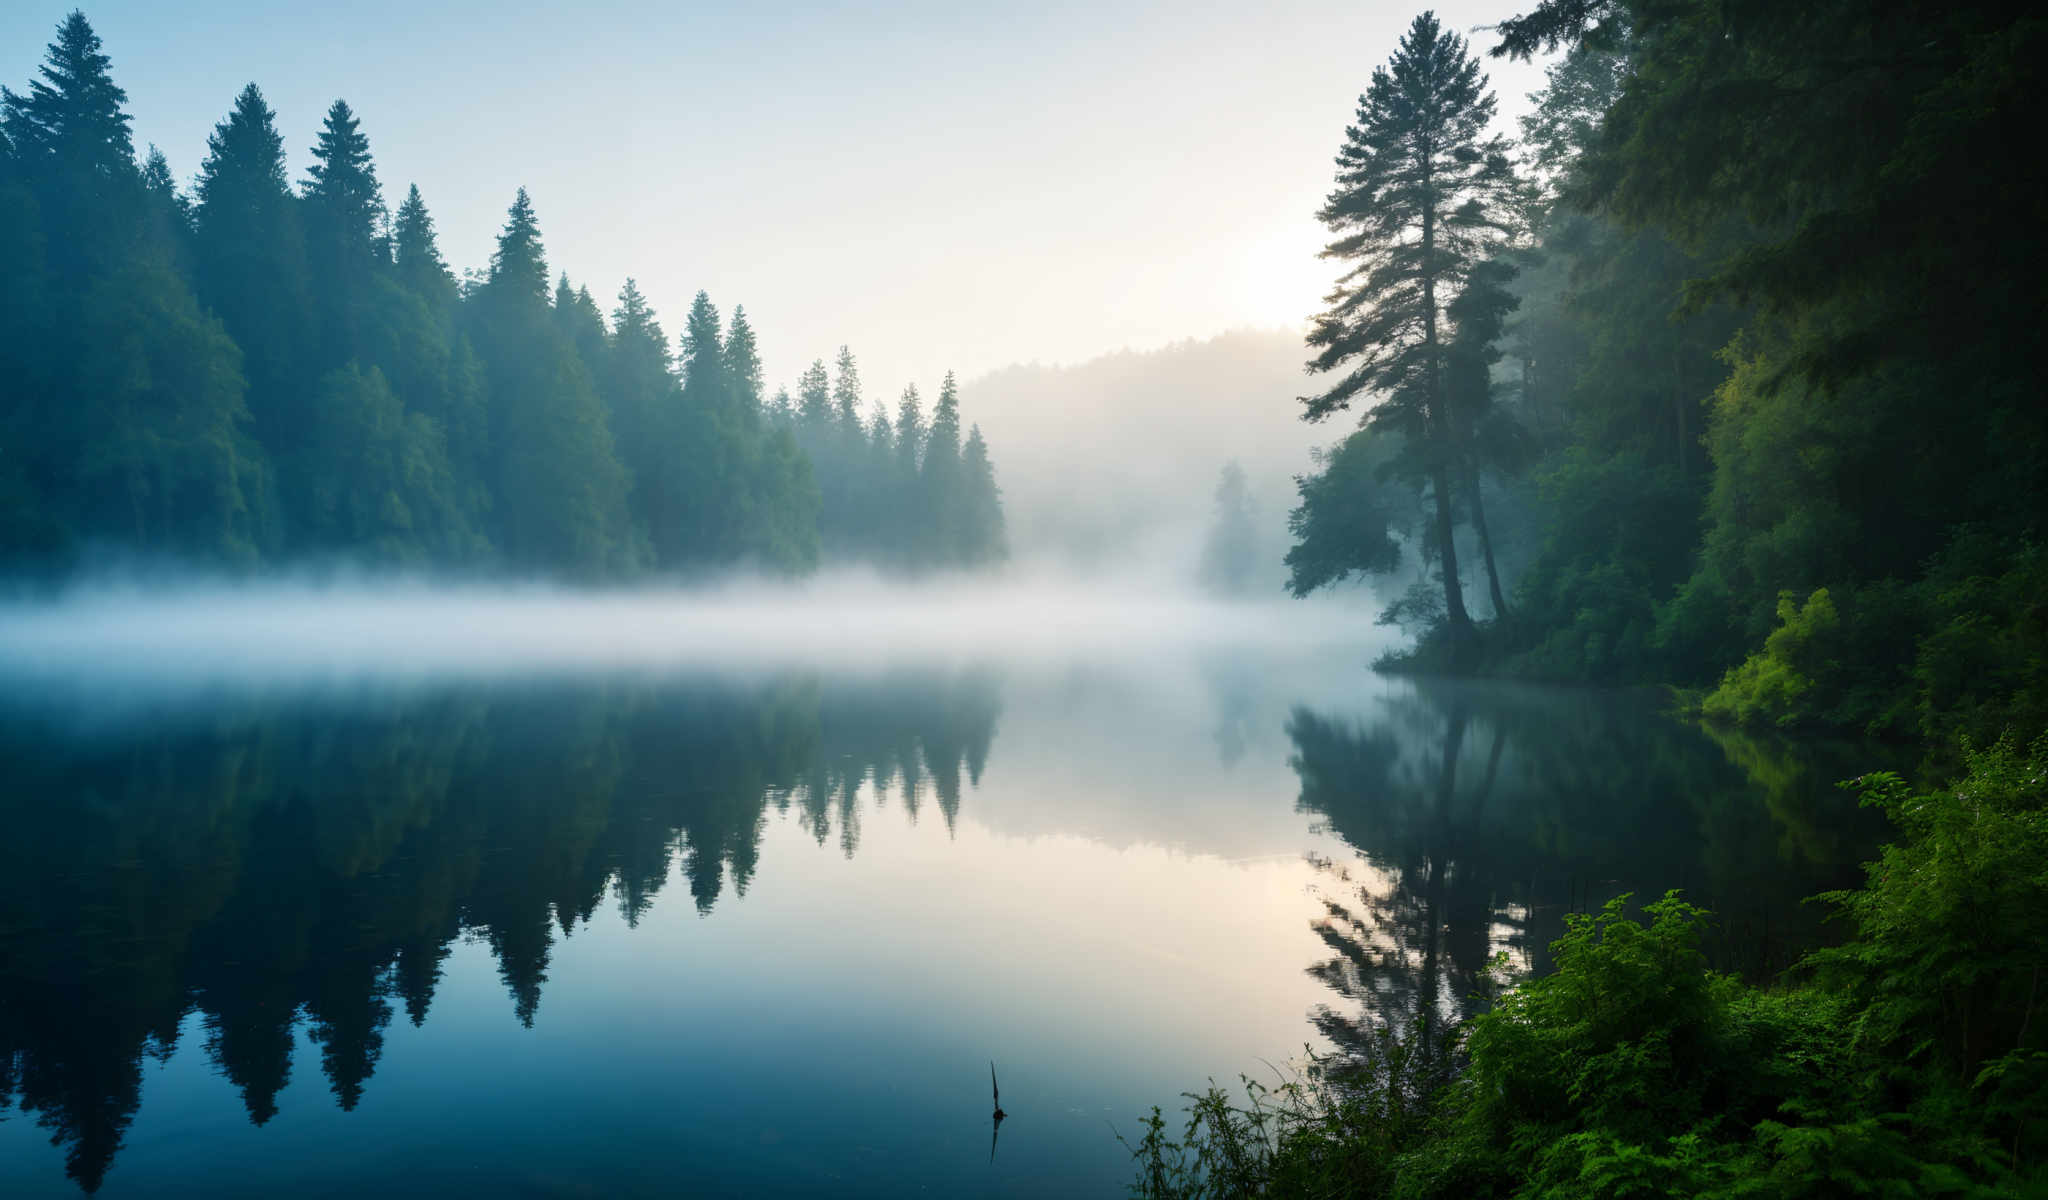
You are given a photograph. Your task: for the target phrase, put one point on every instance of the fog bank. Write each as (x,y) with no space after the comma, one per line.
(1114,462)
(212,631)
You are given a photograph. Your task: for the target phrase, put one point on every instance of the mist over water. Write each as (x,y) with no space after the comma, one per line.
(139,640)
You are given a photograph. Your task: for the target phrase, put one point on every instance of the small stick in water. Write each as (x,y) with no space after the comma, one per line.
(996,1128)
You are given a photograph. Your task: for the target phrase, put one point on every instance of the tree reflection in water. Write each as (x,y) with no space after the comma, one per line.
(312,866)
(1483,814)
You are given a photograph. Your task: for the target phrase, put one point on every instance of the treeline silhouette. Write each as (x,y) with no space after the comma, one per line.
(895,490)
(1490,812)
(241,372)
(312,868)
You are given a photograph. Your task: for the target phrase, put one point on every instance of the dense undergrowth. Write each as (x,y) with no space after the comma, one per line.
(1907,1061)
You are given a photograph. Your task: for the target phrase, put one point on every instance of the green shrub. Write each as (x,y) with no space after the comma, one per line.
(1772,686)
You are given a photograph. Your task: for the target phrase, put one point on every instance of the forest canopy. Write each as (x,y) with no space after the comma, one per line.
(1734,347)
(253,369)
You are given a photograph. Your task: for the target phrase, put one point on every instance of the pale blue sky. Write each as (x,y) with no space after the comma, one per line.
(938,185)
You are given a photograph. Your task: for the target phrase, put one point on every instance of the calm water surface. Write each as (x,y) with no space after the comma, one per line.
(760,933)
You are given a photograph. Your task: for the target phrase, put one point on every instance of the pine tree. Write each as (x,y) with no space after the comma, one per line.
(576,315)
(1230,555)
(703,358)
(881,435)
(743,367)
(711,472)
(167,214)
(944,437)
(814,399)
(416,249)
(413,332)
(251,266)
(559,489)
(168,203)
(344,200)
(846,397)
(71,137)
(781,410)
(519,269)
(878,479)
(910,433)
(903,494)
(640,387)
(73,114)
(344,215)
(634,323)
(939,479)
(1423,195)
(985,540)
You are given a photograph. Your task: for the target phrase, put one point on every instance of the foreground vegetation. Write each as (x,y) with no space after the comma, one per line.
(241,373)
(1907,1061)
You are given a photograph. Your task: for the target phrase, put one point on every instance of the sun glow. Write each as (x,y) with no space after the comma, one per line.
(1276,278)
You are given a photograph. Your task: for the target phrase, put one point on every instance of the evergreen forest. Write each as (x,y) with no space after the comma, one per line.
(249,370)
(1720,376)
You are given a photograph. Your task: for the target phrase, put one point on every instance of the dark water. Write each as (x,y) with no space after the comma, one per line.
(761,935)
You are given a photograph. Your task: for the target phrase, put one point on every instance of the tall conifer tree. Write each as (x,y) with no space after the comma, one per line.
(1423,195)
(943,439)
(985,540)
(743,367)
(846,396)
(345,201)
(560,490)
(71,135)
(640,385)
(814,399)
(939,477)
(703,359)
(344,215)
(910,432)
(519,268)
(251,261)
(416,248)
(73,113)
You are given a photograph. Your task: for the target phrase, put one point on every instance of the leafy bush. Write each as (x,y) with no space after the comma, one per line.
(1983,667)
(1952,938)
(1962,651)
(1772,684)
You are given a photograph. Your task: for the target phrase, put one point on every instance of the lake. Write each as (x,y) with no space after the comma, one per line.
(698,925)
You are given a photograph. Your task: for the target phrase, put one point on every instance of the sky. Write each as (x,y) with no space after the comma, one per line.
(938,185)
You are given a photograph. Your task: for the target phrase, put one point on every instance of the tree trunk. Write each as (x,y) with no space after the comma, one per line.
(1447,557)
(1438,424)
(1500,605)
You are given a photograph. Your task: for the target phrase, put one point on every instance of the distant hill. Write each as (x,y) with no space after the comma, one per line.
(1113,462)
